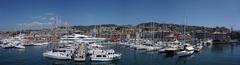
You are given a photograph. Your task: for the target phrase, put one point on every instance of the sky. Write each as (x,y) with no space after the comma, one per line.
(210,13)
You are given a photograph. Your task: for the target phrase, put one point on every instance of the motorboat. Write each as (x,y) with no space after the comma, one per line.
(105,56)
(61,54)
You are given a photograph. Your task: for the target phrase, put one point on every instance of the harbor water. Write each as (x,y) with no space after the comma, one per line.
(217,54)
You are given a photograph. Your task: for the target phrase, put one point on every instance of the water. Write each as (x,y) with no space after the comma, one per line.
(220,54)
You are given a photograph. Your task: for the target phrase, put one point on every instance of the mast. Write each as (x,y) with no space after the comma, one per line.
(184,29)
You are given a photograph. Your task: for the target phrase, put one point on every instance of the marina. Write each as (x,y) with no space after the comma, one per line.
(220,54)
(119,32)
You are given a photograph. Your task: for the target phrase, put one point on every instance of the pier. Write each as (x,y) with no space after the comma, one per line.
(80,53)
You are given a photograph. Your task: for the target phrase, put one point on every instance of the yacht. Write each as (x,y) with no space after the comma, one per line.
(79,38)
(105,56)
(61,53)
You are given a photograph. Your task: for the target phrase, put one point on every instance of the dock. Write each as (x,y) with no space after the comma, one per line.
(80,54)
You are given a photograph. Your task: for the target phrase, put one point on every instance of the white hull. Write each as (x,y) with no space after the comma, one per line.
(79,59)
(184,53)
(38,44)
(20,47)
(56,56)
(101,59)
(45,43)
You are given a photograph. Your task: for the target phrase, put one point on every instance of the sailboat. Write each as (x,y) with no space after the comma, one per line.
(187,48)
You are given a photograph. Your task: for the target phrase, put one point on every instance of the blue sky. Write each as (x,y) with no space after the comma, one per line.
(209,13)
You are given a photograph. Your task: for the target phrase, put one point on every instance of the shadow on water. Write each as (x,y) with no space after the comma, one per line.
(169,55)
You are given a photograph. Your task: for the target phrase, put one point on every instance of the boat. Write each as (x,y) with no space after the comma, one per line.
(208,42)
(171,48)
(45,43)
(8,45)
(79,38)
(161,50)
(188,50)
(19,46)
(184,53)
(139,47)
(61,54)
(198,47)
(107,56)
(37,44)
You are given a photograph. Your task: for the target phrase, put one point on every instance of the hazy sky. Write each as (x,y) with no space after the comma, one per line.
(87,12)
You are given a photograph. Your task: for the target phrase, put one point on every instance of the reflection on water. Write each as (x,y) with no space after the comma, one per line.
(104,63)
(71,62)
(184,59)
(221,48)
(57,62)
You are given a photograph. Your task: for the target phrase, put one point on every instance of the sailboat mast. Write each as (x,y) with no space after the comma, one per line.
(184,29)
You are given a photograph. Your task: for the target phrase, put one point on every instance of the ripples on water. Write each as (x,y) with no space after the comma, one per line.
(218,54)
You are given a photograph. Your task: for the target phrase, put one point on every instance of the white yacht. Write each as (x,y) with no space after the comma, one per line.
(105,56)
(61,53)
(79,38)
